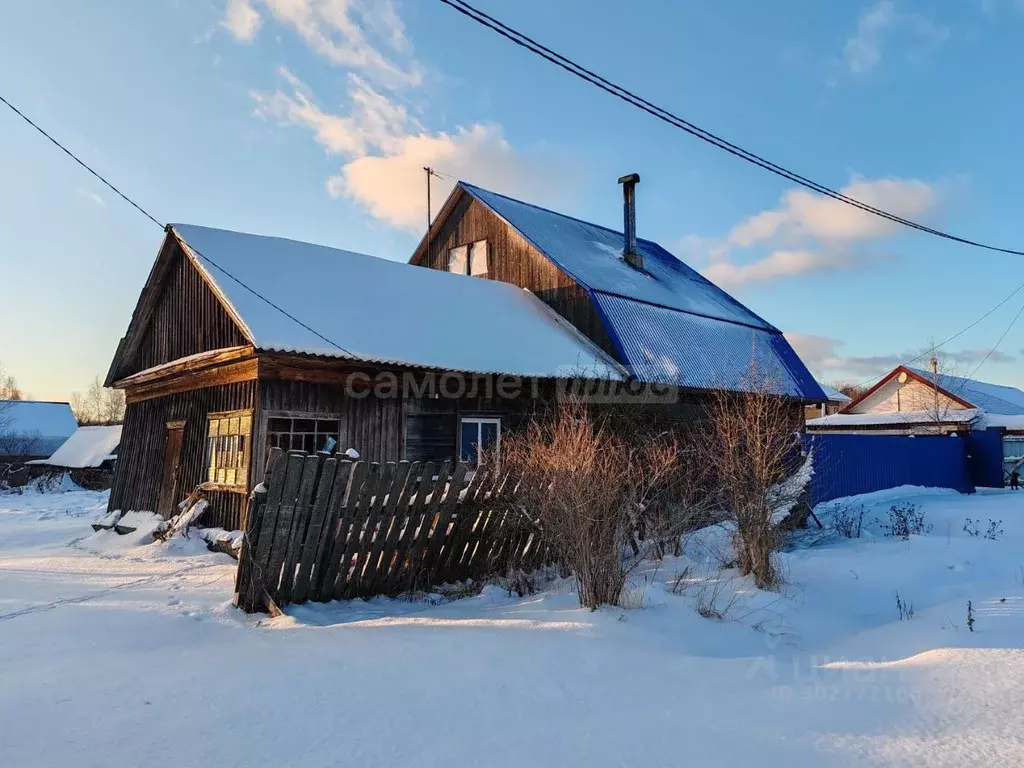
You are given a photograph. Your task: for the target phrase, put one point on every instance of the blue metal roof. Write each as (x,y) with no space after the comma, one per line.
(668,346)
(592,255)
(669,323)
(991,398)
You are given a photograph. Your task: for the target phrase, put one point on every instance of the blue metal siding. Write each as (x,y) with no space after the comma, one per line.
(663,345)
(985,458)
(846,465)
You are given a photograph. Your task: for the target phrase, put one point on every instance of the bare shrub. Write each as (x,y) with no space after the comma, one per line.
(848,521)
(906,610)
(751,449)
(714,597)
(905,520)
(589,490)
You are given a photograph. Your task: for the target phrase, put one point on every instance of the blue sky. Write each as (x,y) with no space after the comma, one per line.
(310,119)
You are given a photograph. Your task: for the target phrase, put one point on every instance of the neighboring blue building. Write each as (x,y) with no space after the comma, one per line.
(658,317)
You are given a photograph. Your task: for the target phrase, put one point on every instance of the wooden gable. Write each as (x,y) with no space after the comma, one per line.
(913,393)
(511,259)
(178,314)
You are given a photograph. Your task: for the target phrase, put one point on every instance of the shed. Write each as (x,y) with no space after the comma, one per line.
(31,429)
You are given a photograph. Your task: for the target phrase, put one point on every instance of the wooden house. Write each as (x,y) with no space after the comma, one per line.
(240,343)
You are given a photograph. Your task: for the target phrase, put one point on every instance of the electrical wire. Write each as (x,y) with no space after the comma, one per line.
(664,115)
(167,227)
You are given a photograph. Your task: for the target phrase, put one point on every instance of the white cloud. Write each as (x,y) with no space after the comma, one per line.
(805,214)
(863,50)
(241,20)
(385,150)
(810,233)
(881,21)
(776,265)
(823,355)
(363,35)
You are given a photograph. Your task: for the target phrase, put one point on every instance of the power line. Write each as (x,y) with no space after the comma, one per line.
(666,116)
(166,227)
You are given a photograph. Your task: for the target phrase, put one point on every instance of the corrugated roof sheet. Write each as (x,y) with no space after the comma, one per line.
(671,324)
(664,345)
(388,312)
(991,398)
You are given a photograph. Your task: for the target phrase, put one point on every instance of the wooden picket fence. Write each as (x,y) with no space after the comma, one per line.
(325,528)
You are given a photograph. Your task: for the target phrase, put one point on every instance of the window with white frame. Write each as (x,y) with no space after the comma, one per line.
(228,448)
(478,435)
(469,259)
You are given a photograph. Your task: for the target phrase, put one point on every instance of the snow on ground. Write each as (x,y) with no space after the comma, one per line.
(119,653)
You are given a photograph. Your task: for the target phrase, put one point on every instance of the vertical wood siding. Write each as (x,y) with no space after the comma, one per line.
(187,319)
(372,426)
(513,260)
(139,471)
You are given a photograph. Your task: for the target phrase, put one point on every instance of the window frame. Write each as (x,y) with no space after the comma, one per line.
(265,430)
(479,420)
(468,251)
(242,471)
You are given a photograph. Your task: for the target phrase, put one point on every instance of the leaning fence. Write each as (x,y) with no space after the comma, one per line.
(324,528)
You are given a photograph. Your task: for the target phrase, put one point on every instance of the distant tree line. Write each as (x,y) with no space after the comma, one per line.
(98,405)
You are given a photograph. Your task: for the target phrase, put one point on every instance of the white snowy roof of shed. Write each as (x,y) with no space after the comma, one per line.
(834,395)
(87,447)
(881,418)
(365,308)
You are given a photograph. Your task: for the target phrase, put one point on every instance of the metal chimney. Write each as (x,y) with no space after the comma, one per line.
(629,252)
(934,364)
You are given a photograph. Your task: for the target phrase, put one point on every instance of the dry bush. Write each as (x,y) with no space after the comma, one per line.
(751,448)
(601,503)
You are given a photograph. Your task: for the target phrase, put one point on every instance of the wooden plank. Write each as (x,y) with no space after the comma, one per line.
(253,520)
(374,530)
(399,525)
(351,560)
(285,518)
(335,509)
(300,523)
(418,550)
(268,524)
(464,521)
(340,543)
(444,516)
(314,533)
(419,486)
(391,518)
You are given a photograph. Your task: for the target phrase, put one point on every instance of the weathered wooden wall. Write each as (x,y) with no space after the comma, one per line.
(139,471)
(374,427)
(186,318)
(513,260)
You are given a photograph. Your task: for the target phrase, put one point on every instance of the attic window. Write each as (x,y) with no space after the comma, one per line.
(469,259)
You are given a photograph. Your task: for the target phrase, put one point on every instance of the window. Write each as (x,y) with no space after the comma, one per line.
(469,259)
(299,433)
(477,435)
(227,448)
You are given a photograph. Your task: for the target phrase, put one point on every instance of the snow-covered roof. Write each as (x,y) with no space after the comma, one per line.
(669,323)
(87,447)
(51,422)
(833,395)
(365,308)
(991,398)
(896,418)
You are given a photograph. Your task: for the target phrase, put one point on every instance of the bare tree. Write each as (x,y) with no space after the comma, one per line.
(937,408)
(752,449)
(587,489)
(98,405)
(851,390)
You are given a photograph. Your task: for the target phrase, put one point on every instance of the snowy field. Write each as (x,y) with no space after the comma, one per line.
(120,654)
